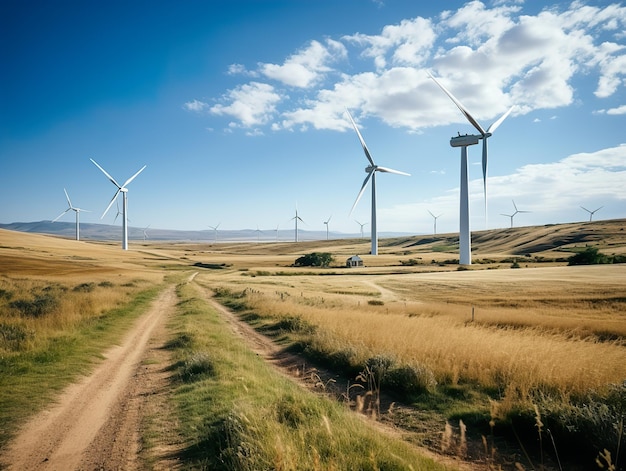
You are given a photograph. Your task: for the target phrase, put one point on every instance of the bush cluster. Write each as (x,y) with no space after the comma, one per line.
(315,259)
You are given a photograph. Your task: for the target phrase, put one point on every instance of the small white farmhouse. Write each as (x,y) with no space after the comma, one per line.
(354,261)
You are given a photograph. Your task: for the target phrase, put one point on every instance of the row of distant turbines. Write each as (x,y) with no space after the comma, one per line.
(462,141)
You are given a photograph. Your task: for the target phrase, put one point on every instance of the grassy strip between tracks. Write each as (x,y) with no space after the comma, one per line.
(238,413)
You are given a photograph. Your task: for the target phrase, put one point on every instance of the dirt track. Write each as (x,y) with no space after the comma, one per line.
(96,422)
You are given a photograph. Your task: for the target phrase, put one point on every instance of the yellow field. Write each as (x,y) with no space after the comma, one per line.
(543,330)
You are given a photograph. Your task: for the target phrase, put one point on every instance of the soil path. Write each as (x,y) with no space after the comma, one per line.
(96,422)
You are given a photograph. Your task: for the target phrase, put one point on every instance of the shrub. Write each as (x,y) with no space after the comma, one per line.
(84,287)
(13,337)
(589,256)
(39,306)
(315,259)
(410,380)
(196,367)
(375,302)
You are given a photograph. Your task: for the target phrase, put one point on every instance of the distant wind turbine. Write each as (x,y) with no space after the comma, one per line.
(361,224)
(591,213)
(327,225)
(435,218)
(215,231)
(76,210)
(258,233)
(465,249)
(513,215)
(120,189)
(277,225)
(371,174)
(297,218)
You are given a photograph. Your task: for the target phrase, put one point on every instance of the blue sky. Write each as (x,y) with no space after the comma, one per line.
(238,110)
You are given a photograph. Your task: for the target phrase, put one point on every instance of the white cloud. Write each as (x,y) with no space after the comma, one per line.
(306,67)
(408,43)
(253,104)
(195,105)
(489,57)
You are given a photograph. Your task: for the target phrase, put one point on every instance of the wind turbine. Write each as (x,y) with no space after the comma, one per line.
(120,189)
(76,210)
(371,174)
(326,222)
(513,215)
(465,250)
(145,234)
(258,233)
(591,213)
(277,225)
(435,218)
(297,218)
(361,224)
(215,231)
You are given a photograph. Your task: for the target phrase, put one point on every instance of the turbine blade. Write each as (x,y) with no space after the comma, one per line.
(390,170)
(68,198)
(367,179)
(514,205)
(108,176)
(495,125)
(133,177)
(111,203)
(365,149)
(59,216)
(460,106)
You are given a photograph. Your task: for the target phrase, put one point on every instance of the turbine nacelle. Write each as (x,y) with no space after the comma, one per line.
(464,141)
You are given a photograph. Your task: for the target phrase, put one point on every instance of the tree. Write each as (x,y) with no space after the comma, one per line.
(315,259)
(589,256)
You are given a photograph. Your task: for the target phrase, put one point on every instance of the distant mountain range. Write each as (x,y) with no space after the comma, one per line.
(90,231)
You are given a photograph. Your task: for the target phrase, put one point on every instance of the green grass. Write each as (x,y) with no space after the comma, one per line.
(29,380)
(238,413)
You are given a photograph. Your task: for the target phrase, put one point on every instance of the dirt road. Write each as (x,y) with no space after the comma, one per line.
(96,422)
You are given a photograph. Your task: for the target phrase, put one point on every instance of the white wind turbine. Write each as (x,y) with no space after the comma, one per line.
(591,213)
(465,251)
(120,189)
(76,210)
(327,226)
(215,231)
(371,174)
(513,215)
(435,218)
(361,224)
(297,218)
(145,234)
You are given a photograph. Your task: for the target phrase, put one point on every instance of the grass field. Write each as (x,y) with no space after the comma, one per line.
(509,352)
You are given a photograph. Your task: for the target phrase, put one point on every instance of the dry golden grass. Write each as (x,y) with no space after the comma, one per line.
(49,286)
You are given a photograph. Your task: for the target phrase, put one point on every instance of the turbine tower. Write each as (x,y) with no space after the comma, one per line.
(513,215)
(297,218)
(145,234)
(371,170)
(465,250)
(76,210)
(326,222)
(361,224)
(435,218)
(591,213)
(120,189)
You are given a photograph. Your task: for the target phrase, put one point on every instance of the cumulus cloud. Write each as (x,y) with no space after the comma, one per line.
(195,105)
(307,66)
(252,104)
(490,57)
